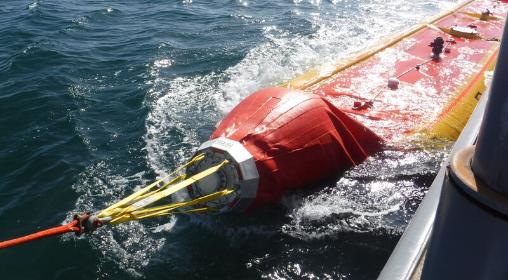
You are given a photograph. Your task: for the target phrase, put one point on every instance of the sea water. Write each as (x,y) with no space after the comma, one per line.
(98,98)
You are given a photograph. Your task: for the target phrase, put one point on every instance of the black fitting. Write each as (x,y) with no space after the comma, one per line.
(437,47)
(87,223)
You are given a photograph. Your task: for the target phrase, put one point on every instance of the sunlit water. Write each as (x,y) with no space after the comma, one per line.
(99,98)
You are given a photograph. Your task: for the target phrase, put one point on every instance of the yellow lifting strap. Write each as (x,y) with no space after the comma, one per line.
(168,209)
(135,196)
(133,207)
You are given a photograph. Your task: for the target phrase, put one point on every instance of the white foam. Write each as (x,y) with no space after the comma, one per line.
(33,5)
(381,204)
(130,245)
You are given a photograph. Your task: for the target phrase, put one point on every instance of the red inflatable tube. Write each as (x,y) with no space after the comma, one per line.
(295,138)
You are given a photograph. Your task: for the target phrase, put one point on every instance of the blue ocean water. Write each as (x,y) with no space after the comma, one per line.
(98,98)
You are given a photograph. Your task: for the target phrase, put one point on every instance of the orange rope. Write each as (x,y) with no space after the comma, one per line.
(70,227)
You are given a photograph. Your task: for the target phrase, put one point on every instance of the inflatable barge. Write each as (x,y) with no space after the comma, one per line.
(425,81)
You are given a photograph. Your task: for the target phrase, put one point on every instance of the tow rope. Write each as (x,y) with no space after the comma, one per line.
(136,206)
(70,227)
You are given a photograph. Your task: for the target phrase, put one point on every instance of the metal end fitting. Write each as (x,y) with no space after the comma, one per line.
(87,223)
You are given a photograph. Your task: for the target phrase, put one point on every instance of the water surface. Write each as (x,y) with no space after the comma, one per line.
(98,98)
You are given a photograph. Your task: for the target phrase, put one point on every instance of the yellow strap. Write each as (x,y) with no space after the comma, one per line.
(173,181)
(195,201)
(133,207)
(168,209)
(135,196)
(172,189)
(121,208)
(197,210)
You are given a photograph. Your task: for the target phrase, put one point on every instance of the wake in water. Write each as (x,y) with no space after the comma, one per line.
(379,195)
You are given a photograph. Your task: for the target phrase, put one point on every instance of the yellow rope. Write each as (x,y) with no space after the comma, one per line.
(134,207)
(135,196)
(168,209)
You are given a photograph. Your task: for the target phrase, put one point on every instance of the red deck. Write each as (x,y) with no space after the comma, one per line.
(423,93)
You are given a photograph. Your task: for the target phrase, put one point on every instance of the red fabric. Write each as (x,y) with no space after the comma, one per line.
(297,139)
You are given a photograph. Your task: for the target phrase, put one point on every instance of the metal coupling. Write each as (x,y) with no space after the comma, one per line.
(87,223)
